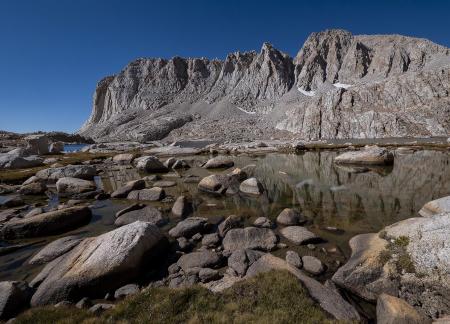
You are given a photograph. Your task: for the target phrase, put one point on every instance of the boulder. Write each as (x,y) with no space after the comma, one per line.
(393,310)
(409,259)
(189,227)
(56,147)
(129,208)
(250,238)
(34,188)
(218,162)
(289,216)
(74,185)
(14,296)
(182,207)
(123,191)
(298,234)
(150,164)
(441,205)
(86,172)
(152,194)
(124,158)
(38,144)
(370,155)
(55,249)
(312,265)
(230,222)
(252,187)
(241,259)
(99,264)
(180,164)
(31,180)
(199,259)
(50,223)
(147,214)
(169,162)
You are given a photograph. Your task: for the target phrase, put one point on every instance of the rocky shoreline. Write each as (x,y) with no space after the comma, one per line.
(157,239)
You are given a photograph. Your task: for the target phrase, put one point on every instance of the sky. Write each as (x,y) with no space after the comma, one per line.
(53,52)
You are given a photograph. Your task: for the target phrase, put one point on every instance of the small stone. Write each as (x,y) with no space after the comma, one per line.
(251,187)
(263,222)
(126,290)
(289,217)
(312,265)
(218,162)
(207,275)
(173,268)
(100,308)
(211,240)
(182,207)
(230,222)
(183,244)
(294,259)
(84,303)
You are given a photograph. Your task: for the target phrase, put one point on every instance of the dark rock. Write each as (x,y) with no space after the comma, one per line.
(84,303)
(252,187)
(211,240)
(14,296)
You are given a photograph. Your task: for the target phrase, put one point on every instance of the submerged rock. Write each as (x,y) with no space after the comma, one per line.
(370,155)
(289,217)
(50,223)
(252,187)
(218,162)
(99,264)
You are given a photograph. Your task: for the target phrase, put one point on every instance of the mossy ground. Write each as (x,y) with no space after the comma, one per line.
(396,252)
(275,297)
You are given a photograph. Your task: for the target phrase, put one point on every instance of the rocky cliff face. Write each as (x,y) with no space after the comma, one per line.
(338,86)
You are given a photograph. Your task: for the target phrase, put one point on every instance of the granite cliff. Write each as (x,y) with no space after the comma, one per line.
(338,86)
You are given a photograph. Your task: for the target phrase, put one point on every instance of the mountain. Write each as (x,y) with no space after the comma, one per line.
(338,86)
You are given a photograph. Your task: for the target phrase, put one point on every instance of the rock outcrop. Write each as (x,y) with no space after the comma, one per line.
(338,86)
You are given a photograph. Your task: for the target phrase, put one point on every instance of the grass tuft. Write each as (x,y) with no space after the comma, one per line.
(274,297)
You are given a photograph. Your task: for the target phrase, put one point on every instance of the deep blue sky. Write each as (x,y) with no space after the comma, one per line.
(53,52)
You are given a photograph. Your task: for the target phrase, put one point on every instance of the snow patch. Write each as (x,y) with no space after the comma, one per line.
(307,93)
(247,112)
(342,85)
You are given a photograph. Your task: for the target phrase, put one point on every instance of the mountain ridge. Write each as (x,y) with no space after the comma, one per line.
(338,85)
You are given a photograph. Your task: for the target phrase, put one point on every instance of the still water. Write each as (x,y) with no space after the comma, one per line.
(339,202)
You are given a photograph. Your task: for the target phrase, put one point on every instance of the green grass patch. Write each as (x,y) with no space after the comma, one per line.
(275,297)
(396,253)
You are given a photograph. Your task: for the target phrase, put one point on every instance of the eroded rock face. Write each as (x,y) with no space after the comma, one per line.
(98,265)
(346,86)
